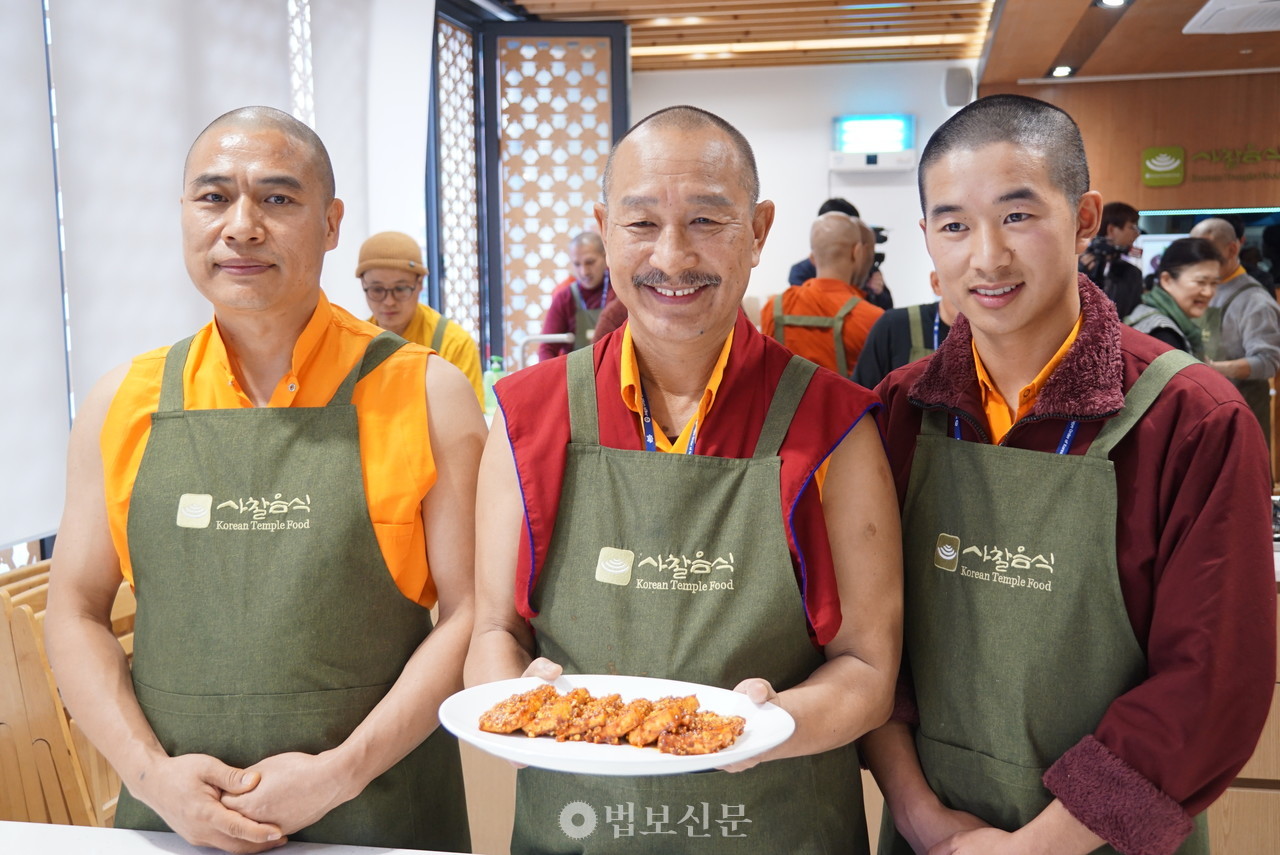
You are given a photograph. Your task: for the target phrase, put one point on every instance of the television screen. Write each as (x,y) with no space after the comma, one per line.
(868,134)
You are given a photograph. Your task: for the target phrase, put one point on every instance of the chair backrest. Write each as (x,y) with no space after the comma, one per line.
(62,782)
(22,578)
(20,795)
(51,772)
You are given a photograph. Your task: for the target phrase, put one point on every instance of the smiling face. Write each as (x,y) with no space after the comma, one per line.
(256,220)
(681,232)
(1192,287)
(1004,241)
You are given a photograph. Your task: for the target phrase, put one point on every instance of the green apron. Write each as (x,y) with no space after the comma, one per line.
(919,350)
(584,319)
(257,608)
(1256,392)
(835,323)
(710,597)
(1015,627)
(437,338)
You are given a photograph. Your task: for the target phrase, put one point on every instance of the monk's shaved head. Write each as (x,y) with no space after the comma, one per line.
(1021,121)
(686,118)
(1217,231)
(258,118)
(833,237)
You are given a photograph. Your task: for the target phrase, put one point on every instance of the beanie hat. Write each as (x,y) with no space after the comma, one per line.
(390,251)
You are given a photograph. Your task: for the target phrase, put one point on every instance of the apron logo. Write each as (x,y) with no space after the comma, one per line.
(614,568)
(578,819)
(946,555)
(193,510)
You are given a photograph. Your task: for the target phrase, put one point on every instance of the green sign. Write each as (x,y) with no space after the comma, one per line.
(1163,166)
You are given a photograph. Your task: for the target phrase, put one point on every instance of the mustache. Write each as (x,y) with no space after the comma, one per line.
(687,279)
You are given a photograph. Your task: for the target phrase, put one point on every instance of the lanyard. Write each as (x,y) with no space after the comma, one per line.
(604,294)
(937,321)
(1064,444)
(649,444)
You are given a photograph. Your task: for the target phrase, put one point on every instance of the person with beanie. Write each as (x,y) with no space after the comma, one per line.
(391,272)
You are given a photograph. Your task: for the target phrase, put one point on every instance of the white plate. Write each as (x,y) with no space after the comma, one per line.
(767,725)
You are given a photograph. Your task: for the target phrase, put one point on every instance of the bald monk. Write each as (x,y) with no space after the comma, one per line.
(288,508)
(1242,324)
(826,320)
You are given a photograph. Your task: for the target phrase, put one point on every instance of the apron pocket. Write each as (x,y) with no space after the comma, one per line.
(1003,794)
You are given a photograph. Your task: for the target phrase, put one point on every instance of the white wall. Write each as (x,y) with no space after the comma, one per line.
(373,61)
(786,114)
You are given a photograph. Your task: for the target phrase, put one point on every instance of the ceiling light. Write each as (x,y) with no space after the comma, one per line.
(1062,71)
(864,42)
(1113,4)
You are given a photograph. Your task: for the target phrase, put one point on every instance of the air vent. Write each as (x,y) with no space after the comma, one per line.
(1221,17)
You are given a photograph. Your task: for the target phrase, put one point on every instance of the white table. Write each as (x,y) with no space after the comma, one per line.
(30,838)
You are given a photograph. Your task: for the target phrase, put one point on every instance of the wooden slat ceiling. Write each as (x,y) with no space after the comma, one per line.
(1146,39)
(685,34)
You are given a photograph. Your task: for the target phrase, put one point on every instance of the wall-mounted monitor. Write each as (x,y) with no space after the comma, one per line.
(879,133)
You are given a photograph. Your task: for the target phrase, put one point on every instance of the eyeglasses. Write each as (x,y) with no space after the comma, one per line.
(377,293)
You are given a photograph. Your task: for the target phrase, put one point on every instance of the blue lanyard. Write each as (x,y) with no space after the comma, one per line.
(649,444)
(604,294)
(937,321)
(1064,444)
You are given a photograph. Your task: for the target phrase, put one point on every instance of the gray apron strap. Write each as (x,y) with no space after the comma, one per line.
(779,328)
(383,345)
(584,425)
(171,395)
(1140,397)
(437,338)
(786,397)
(916,327)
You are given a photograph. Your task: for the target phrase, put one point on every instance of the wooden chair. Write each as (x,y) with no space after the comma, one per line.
(21,574)
(20,799)
(64,779)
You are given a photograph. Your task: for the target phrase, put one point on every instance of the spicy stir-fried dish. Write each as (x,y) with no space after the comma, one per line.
(673,725)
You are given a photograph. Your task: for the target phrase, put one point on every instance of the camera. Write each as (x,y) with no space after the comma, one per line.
(1104,250)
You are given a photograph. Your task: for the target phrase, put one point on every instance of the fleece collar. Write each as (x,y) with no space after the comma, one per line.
(1088,383)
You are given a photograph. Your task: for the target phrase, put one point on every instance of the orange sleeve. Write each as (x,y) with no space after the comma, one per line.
(398,467)
(123,440)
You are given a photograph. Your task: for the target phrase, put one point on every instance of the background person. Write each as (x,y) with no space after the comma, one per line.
(688,432)
(391,272)
(577,302)
(803,270)
(826,319)
(904,335)
(287,506)
(1242,325)
(1186,280)
(1090,663)
(1102,262)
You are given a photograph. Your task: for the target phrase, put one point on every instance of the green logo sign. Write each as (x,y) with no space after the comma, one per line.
(1163,166)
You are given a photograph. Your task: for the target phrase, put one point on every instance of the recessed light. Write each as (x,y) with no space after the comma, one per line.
(1113,4)
(1062,71)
